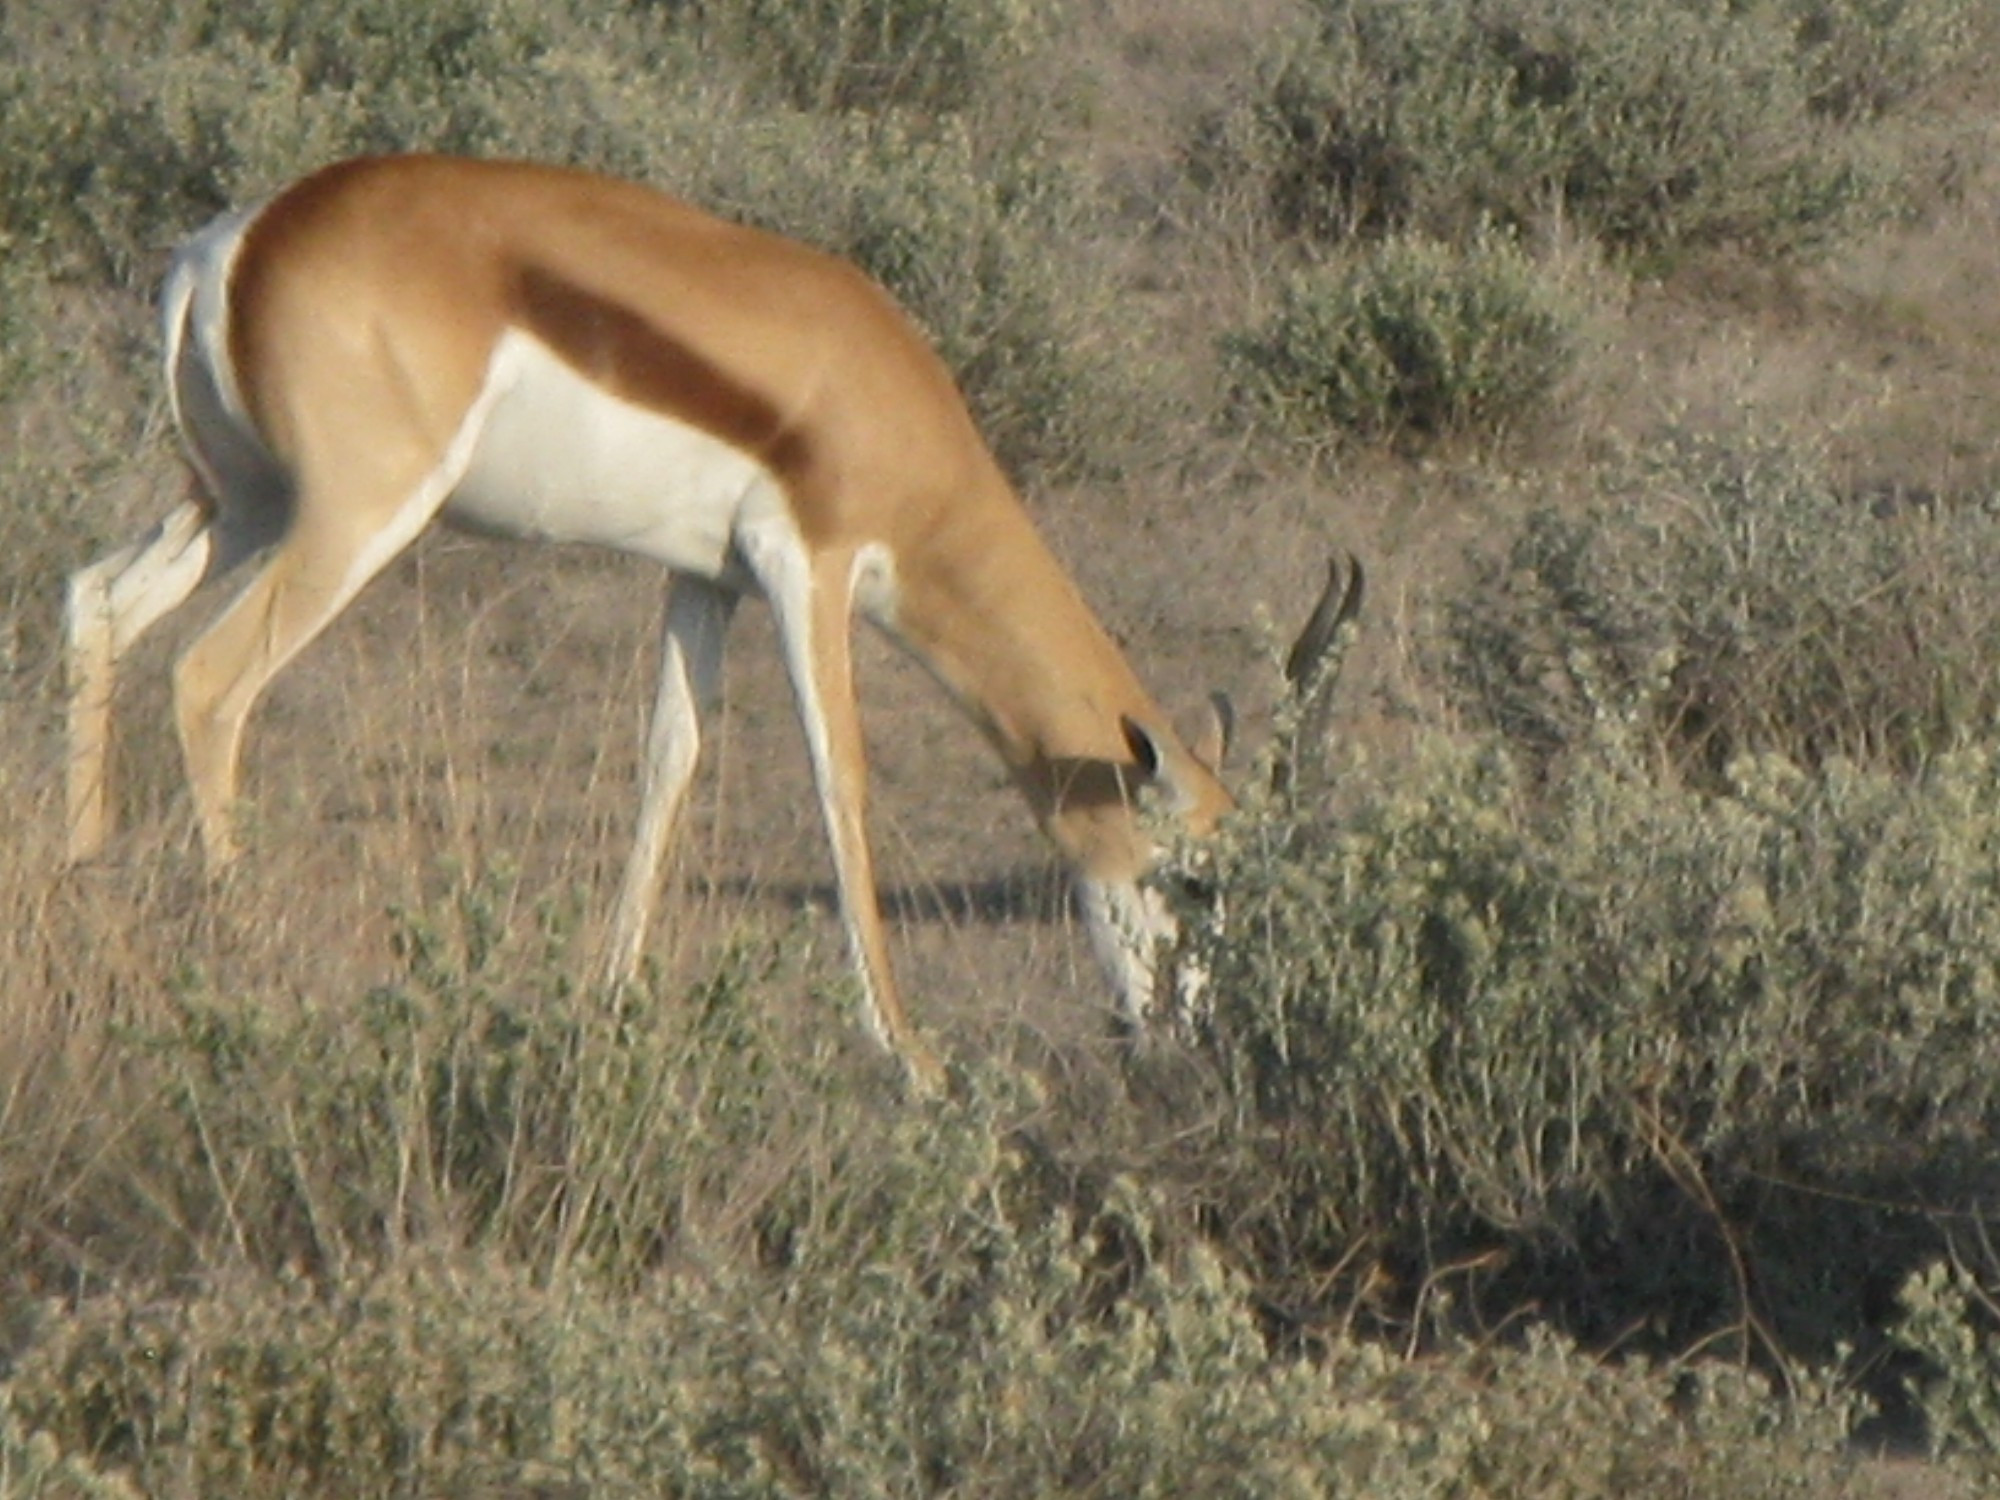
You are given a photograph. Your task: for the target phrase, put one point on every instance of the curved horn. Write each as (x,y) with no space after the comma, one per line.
(1312,667)
(1308,657)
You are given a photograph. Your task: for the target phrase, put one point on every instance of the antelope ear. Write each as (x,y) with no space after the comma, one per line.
(1145,749)
(1210,742)
(1158,770)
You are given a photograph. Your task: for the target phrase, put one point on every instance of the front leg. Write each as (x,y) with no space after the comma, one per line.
(697,619)
(812,597)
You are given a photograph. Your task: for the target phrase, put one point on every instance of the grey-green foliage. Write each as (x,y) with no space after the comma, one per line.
(1490,1008)
(478,1092)
(1866,57)
(1728,595)
(1001,1359)
(104,164)
(110,153)
(1655,126)
(1412,338)
(480,1229)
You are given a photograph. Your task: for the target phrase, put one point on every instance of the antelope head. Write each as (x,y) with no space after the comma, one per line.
(1126,909)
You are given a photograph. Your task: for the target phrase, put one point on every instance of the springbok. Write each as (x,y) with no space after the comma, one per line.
(550,354)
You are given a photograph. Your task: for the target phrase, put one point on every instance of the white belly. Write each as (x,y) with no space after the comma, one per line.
(558,459)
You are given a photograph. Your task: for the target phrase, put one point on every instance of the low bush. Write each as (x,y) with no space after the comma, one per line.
(1608,1038)
(34,1467)
(1654,127)
(103,165)
(1724,595)
(1864,58)
(475,1096)
(480,1230)
(999,1368)
(108,159)
(1413,339)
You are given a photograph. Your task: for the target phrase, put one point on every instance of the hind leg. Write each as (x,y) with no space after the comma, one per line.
(109,604)
(339,539)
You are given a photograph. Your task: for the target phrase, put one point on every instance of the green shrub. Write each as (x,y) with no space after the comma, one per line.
(1413,339)
(1865,57)
(104,164)
(1724,595)
(1634,1036)
(75,407)
(564,82)
(111,153)
(1656,127)
(478,1095)
(478,1230)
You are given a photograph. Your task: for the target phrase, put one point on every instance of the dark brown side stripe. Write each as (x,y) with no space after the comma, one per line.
(619,350)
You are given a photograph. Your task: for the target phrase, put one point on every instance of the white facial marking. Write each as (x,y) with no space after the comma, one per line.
(1129,925)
